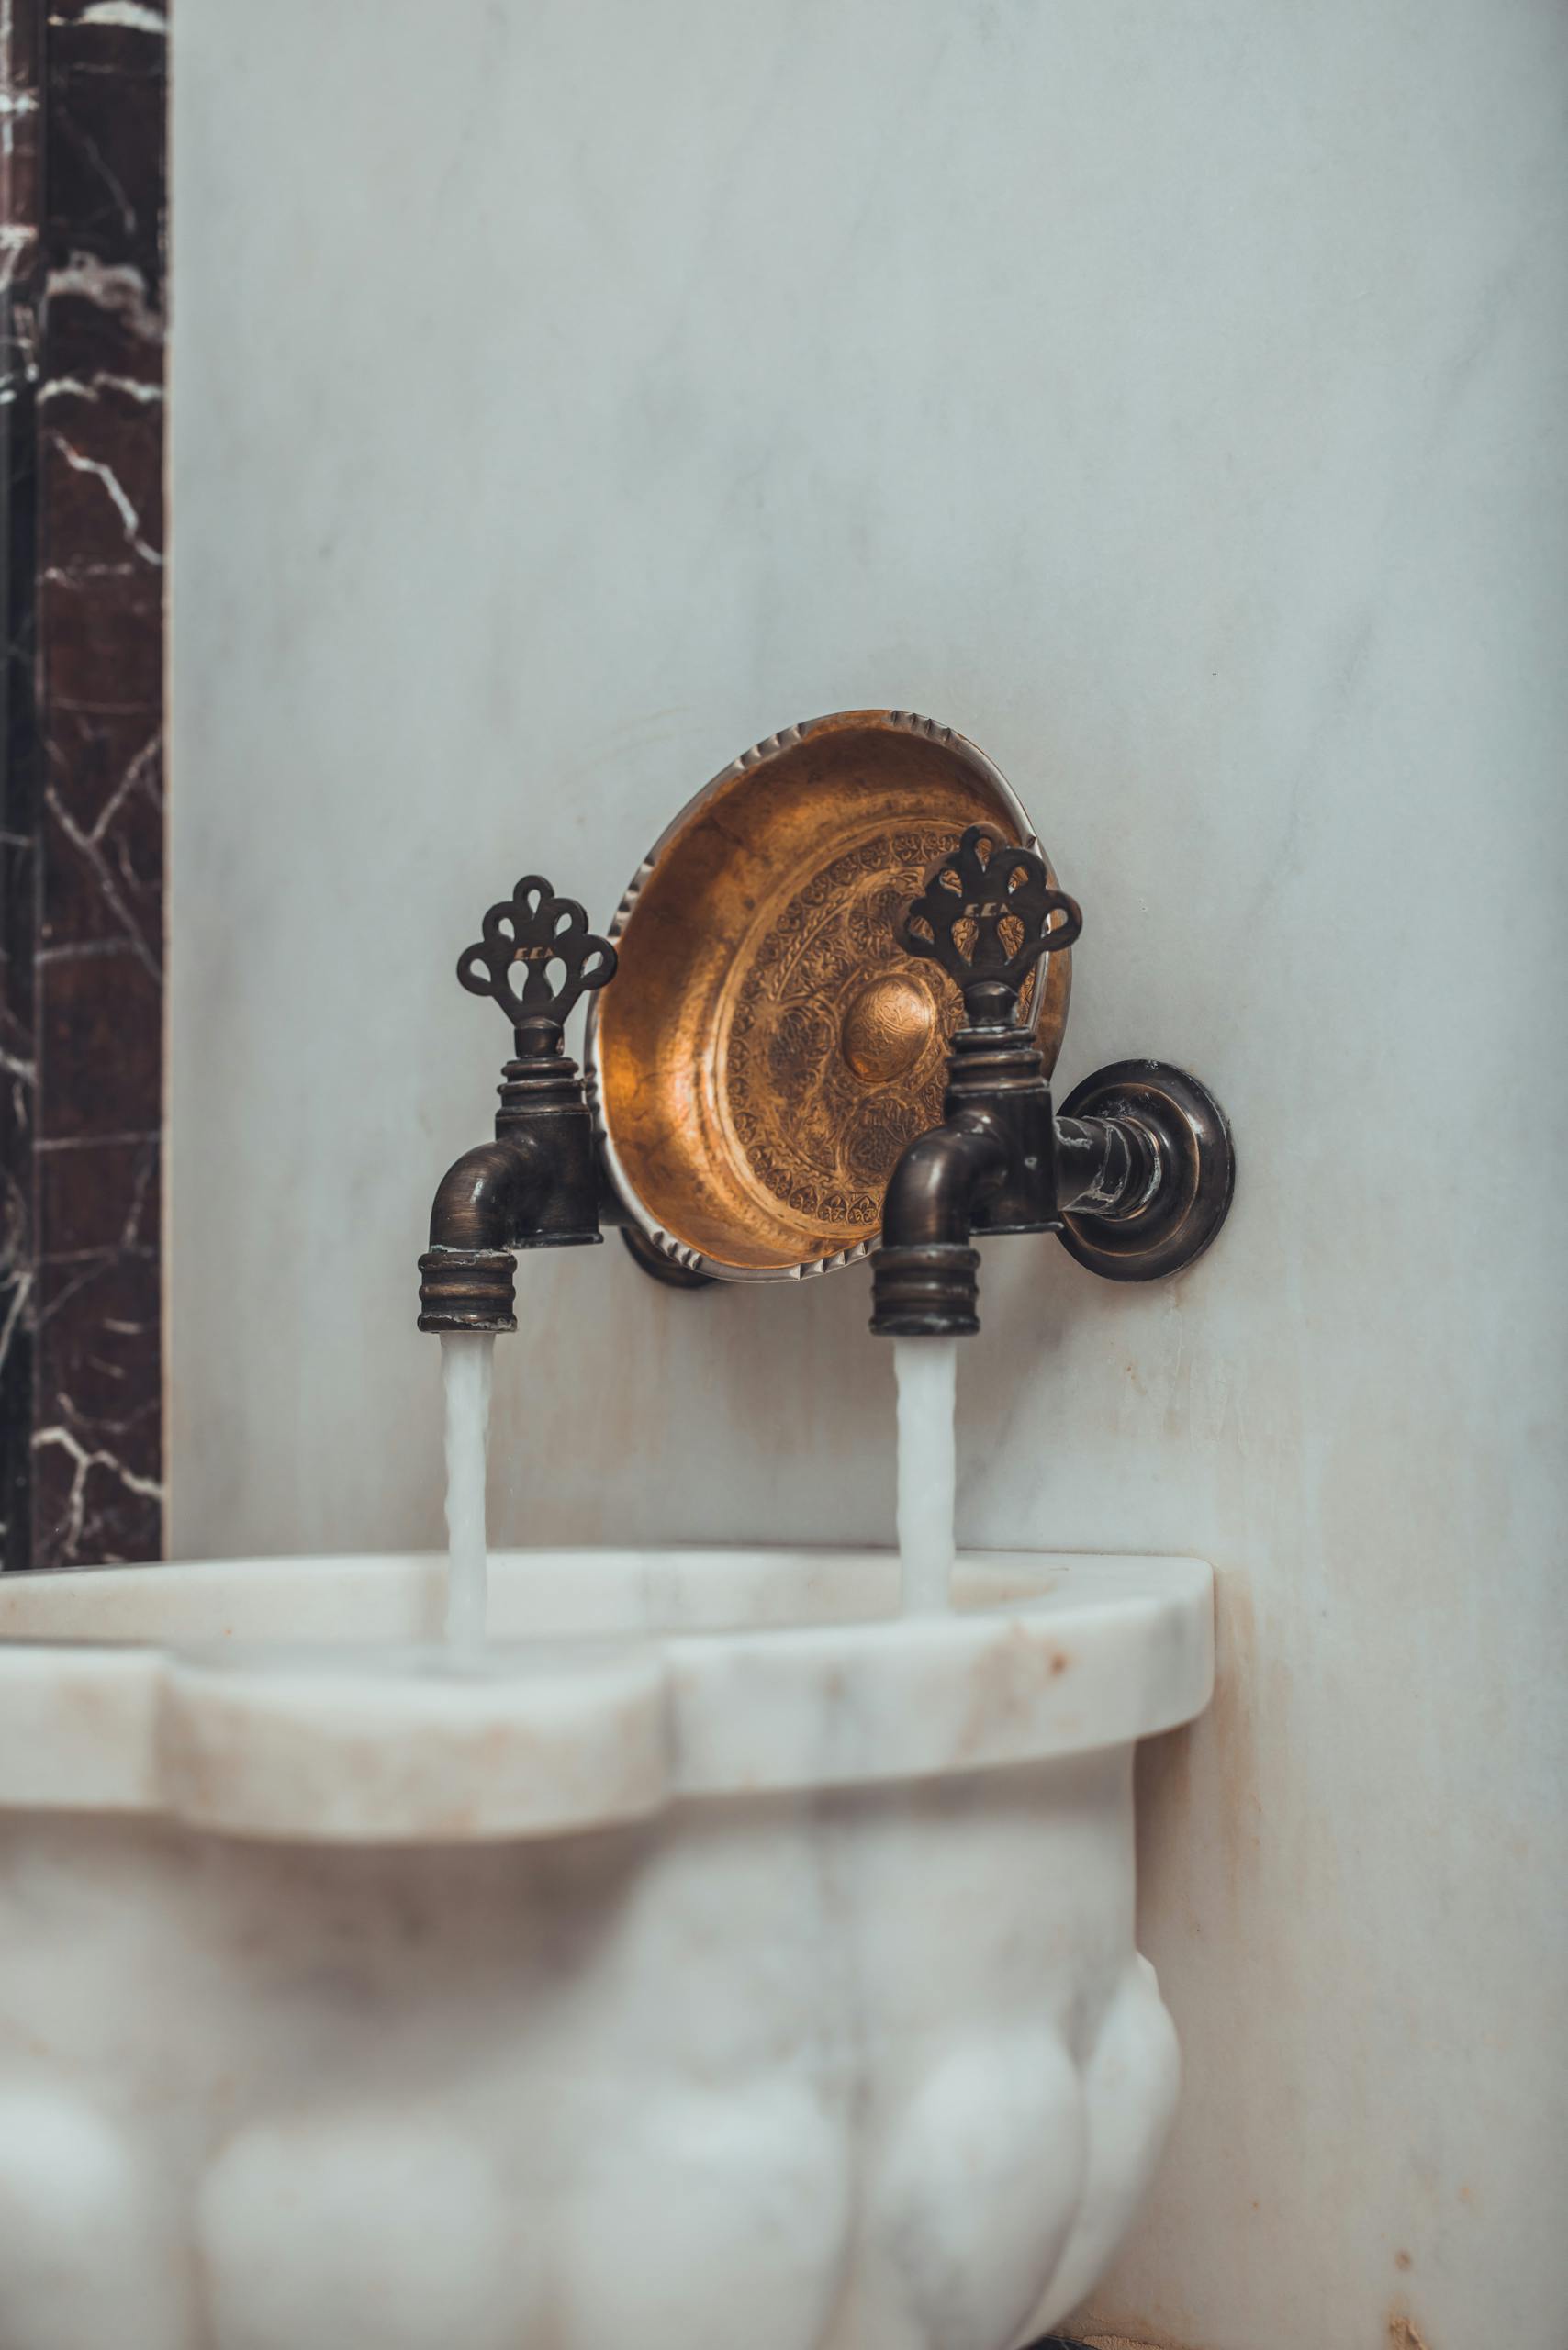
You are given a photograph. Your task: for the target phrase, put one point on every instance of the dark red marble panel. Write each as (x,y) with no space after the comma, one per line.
(82,221)
(21,302)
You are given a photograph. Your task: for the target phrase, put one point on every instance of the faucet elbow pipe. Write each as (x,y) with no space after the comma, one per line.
(488,1198)
(483,1207)
(924,1281)
(933,1190)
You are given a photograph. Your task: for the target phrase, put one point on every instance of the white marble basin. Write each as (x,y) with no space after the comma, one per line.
(725,1960)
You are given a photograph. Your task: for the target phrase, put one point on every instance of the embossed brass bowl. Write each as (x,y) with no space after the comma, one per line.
(768,1049)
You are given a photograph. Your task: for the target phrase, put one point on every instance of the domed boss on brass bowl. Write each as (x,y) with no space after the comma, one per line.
(769,1049)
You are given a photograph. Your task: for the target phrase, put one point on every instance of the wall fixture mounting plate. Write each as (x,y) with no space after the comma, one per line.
(1197,1156)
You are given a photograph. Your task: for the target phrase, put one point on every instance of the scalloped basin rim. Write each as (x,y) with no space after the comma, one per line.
(310,1698)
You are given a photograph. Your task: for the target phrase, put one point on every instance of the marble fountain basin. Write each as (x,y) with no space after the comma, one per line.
(724,1959)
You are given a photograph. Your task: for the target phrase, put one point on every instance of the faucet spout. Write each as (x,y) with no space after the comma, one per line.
(488,1198)
(925,1275)
(484,1205)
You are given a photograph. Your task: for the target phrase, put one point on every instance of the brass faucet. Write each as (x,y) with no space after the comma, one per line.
(537,1184)
(1137,1174)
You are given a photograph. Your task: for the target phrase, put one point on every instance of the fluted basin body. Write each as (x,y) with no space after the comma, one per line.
(722,1961)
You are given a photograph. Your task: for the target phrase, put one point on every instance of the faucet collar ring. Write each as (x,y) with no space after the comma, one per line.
(1197,1158)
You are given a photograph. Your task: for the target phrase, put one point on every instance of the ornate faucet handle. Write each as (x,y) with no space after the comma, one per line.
(987,913)
(540,934)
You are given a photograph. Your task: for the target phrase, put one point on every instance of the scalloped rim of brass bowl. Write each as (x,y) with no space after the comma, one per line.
(768,1049)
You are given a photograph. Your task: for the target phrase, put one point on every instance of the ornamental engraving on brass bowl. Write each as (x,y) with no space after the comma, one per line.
(887,1028)
(836,1046)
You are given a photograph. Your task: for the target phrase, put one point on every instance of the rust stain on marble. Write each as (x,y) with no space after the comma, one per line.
(1006,1680)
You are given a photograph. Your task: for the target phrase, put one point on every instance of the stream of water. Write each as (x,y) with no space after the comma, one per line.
(465,1375)
(927,1372)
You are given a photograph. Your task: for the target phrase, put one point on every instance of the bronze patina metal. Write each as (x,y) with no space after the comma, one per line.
(841,983)
(769,1048)
(536,1185)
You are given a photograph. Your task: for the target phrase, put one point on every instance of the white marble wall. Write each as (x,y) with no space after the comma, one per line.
(1169,392)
